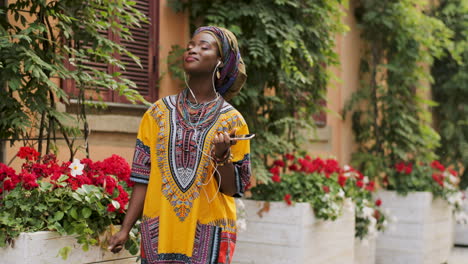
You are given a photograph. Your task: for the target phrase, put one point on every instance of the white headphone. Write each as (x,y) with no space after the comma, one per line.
(219,62)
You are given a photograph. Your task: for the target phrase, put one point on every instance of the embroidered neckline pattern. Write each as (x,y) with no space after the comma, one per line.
(180,147)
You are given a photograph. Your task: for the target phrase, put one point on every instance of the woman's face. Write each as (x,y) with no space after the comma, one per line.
(201,55)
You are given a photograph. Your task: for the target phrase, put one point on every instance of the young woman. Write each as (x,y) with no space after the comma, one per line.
(186,167)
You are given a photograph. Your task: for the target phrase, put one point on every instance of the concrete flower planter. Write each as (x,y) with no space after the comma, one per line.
(43,247)
(461,231)
(291,234)
(422,233)
(364,250)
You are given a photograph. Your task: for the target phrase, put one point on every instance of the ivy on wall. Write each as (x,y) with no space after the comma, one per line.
(390,112)
(450,88)
(286,46)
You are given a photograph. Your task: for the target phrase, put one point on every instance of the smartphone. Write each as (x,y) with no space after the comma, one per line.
(243,137)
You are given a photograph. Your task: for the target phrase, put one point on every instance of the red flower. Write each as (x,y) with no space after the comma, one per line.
(276,178)
(360,176)
(453,172)
(293,167)
(436,165)
(439,178)
(409,168)
(400,167)
(376,214)
(118,166)
(326,189)
(287,199)
(109,184)
(359,183)
(378,202)
(1,190)
(342,180)
(9,185)
(6,172)
(279,163)
(289,156)
(331,166)
(370,186)
(110,208)
(307,157)
(275,170)
(28,153)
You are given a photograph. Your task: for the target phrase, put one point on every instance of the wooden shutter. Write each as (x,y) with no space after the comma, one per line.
(144,46)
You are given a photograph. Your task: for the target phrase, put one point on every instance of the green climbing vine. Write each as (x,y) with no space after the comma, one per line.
(450,89)
(390,112)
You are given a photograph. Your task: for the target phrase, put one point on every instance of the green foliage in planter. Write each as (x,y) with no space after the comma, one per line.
(390,115)
(37,40)
(307,182)
(326,186)
(286,46)
(450,88)
(85,202)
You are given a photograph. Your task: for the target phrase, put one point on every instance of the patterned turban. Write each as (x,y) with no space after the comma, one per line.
(233,73)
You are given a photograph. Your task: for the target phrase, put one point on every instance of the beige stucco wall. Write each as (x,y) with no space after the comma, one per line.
(113,131)
(337,139)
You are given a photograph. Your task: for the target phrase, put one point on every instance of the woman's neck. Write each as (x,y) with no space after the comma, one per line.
(202,88)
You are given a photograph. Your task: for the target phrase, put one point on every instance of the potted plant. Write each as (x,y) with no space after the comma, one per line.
(370,218)
(302,215)
(62,206)
(423,197)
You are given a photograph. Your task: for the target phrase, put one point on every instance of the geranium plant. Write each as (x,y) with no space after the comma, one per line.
(83,198)
(325,185)
(370,217)
(432,177)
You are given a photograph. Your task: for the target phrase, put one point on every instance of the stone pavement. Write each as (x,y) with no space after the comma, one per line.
(459,255)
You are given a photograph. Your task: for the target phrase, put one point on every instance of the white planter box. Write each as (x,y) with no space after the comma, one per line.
(43,248)
(461,231)
(364,250)
(292,235)
(422,233)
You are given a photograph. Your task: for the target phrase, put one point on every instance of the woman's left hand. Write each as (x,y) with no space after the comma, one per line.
(222,142)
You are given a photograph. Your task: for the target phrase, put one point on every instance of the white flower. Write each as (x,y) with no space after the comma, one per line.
(341,193)
(453,179)
(366,180)
(346,167)
(456,198)
(367,212)
(76,168)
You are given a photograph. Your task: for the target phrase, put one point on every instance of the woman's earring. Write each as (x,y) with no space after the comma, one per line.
(218,74)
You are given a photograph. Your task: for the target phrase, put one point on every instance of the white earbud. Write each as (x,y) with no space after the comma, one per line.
(219,62)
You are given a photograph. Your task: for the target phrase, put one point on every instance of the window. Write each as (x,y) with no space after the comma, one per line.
(144,46)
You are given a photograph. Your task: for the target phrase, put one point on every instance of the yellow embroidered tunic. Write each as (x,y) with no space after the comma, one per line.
(186,219)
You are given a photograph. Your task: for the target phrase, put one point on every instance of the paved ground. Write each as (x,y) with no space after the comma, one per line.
(459,255)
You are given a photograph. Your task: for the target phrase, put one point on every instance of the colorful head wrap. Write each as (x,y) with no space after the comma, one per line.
(233,73)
